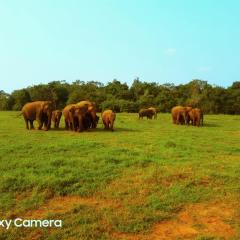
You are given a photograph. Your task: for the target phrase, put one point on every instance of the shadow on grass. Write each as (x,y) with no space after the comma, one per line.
(58,129)
(97,130)
(115,130)
(210,125)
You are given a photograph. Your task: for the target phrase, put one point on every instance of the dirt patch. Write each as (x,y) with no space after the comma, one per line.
(197,219)
(58,205)
(61,205)
(201,219)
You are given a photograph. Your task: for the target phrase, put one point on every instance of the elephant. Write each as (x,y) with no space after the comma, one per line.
(108,118)
(149,113)
(56,117)
(180,114)
(40,111)
(89,122)
(67,119)
(74,116)
(195,117)
(92,110)
(154,111)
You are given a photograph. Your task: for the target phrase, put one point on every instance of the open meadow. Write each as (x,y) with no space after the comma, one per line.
(149,179)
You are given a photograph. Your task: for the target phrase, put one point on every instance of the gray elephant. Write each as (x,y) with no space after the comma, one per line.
(40,111)
(56,118)
(74,116)
(180,114)
(149,113)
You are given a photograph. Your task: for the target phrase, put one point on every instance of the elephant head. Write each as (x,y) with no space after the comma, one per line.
(56,117)
(77,115)
(46,113)
(91,110)
(187,110)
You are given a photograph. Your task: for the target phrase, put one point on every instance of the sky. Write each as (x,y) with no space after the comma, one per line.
(164,41)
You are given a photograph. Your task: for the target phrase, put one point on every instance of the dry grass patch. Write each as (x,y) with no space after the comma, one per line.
(61,205)
(201,219)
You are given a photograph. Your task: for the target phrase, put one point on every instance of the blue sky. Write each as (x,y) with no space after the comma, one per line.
(156,40)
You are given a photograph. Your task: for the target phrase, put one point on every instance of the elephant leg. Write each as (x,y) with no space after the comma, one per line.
(198,122)
(178,119)
(104,123)
(93,123)
(107,124)
(45,124)
(71,126)
(66,125)
(26,122)
(80,123)
(111,125)
(194,122)
(31,124)
(40,124)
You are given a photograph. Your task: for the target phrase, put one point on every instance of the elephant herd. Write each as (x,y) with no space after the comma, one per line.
(180,115)
(78,117)
(82,115)
(187,115)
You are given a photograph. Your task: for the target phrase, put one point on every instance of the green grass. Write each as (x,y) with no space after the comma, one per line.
(152,168)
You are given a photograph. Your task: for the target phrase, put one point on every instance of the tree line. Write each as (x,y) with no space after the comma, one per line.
(123,98)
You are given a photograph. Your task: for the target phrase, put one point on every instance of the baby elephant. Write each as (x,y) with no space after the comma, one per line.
(56,117)
(108,118)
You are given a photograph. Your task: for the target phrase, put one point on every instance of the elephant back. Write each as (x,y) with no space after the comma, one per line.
(153,109)
(91,106)
(108,114)
(66,110)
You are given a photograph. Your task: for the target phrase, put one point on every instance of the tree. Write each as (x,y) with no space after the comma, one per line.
(20,98)
(5,103)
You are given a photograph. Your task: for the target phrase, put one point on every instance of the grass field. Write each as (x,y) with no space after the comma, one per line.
(149,179)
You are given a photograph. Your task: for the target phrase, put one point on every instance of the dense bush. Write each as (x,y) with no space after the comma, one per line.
(122,98)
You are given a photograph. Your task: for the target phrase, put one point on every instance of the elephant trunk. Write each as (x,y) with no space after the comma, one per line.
(94,119)
(80,123)
(48,123)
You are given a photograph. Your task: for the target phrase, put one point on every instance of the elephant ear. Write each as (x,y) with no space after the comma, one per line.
(72,109)
(83,109)
(40,110)
(45,106)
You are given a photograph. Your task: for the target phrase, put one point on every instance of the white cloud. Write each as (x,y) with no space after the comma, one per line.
(170,51)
